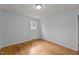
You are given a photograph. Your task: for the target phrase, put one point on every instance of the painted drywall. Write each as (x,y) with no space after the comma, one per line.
(61,29)
(16,28)
(78,32)
(0,29)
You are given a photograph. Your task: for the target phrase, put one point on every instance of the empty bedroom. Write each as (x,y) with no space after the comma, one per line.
(39,29)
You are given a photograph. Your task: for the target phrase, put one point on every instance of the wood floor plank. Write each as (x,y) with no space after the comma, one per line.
(37,47)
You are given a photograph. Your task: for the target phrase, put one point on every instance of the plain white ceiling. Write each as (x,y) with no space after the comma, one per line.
(48,9)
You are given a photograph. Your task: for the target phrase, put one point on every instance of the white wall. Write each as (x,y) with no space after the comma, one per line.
(78,32)
(16,28)
(0,29)
(61,29)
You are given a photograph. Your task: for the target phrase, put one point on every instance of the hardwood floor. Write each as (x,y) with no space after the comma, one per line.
(37,47)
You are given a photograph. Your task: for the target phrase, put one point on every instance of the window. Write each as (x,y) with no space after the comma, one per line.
(33,25)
